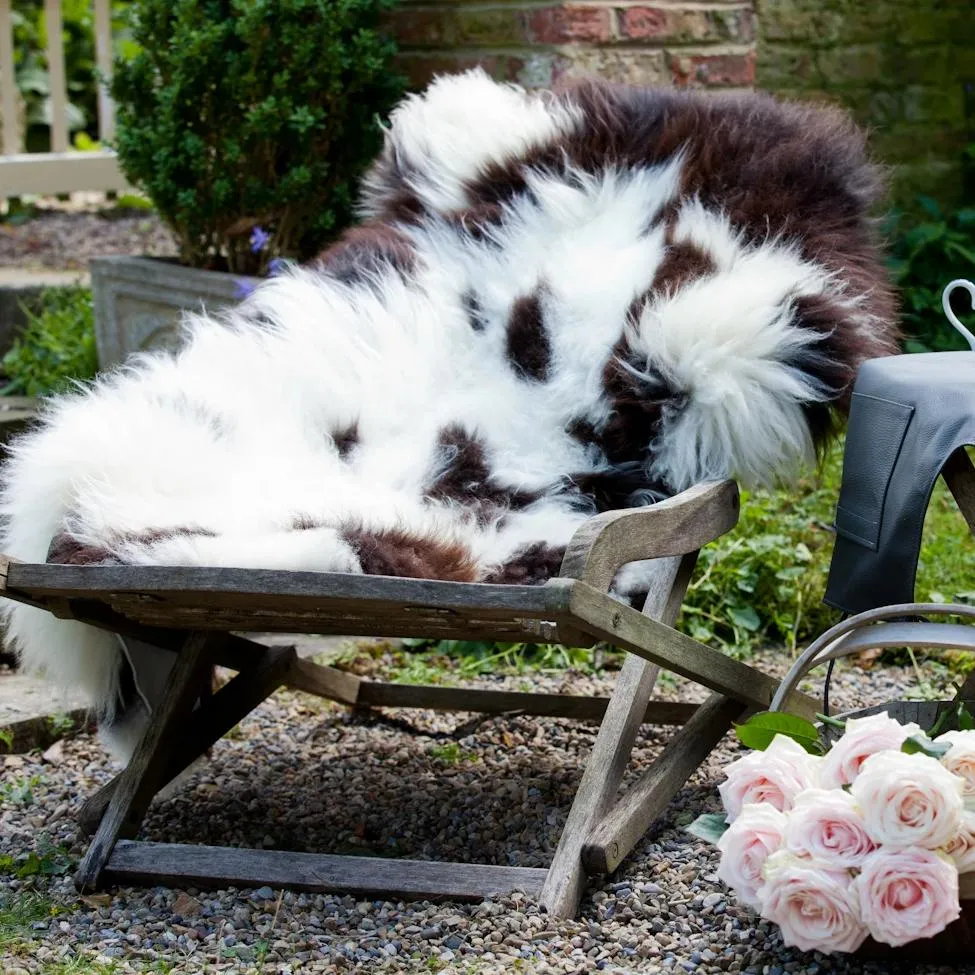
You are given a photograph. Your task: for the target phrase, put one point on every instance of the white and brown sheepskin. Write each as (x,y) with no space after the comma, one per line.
(557,303)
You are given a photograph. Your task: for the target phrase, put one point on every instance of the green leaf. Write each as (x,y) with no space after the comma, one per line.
(923,745)
(760,730)
(965,720)
(745,617)
(708,827)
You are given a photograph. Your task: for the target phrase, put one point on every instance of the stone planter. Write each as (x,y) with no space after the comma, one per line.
(139,300)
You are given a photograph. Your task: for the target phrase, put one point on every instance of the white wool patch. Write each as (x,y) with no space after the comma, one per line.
(446,135)
(727,342)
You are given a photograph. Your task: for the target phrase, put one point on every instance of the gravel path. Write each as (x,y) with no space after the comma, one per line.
(301,774)
(67,239)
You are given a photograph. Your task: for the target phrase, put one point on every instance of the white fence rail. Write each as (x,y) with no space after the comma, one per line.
(60,170)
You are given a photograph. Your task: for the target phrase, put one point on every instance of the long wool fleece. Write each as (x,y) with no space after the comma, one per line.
(557,303)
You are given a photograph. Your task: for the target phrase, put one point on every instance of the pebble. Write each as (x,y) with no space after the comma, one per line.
(316,778)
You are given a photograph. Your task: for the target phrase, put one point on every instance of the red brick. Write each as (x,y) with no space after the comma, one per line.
(560,25)
(643,23)
(420,68)
(713,70)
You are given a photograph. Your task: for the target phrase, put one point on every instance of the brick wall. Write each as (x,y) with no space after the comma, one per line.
(905,68)
(699,44)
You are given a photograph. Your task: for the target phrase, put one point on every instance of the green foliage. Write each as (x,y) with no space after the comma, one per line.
(924,258)
(709,827)
(759,731)
(56,348)
(19,791)
(451,753)
(763,582)
(7,739)
(31,69)
(49,861)
(246,114)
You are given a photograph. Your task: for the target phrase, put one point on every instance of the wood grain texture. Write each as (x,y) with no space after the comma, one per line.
(209,866)
(140,780)
(676,526)
(610,755)
(327,682)
(619,832)
(622,626)
(376,694)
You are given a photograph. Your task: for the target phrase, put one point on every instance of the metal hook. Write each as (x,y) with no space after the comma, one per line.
(952,317)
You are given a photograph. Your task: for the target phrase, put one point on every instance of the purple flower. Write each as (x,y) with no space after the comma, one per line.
(260,238)
(243,288)
(276,266)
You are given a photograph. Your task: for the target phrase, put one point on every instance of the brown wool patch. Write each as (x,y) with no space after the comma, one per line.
(304,523)
(582,430)
(531,566)
(682,263)
(393,552)
(528,347)
(615,487)
(65,550)
(466,477)
(477,221)
(637,407)
(366,251)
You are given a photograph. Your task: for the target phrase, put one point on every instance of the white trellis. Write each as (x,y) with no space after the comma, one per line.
(60,170)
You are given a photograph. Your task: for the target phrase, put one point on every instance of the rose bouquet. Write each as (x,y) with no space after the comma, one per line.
(864,839)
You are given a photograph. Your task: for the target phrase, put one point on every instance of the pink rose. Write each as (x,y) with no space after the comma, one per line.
(826,825)
(960,758)
(775,776)
(961,847)
(908,800)
(813,905)
(907,894)
(862,738)
(746,845)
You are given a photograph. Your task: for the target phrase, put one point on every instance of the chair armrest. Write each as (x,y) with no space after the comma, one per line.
(676,526)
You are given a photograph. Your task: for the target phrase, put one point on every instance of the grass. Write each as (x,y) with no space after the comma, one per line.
(18,913)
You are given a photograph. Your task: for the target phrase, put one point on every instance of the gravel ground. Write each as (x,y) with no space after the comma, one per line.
(301,774)
(66,238)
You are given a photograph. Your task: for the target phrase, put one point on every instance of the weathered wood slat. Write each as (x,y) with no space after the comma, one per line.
(56,75)
(620,831)
(205,726)
(376,694)
(324,592)
(140,780)
(676,526)
(329,682)
(607,762)
(103,58)
(210,866)
(8,83)
(624,627)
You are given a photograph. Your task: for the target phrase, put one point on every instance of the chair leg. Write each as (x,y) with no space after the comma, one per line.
(208,724)
(566,879)
(623,827)
(142,778)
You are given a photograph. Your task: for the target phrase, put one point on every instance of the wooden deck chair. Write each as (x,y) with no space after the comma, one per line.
(198,612)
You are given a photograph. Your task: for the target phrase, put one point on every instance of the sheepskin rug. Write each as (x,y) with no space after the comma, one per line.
(557,303)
